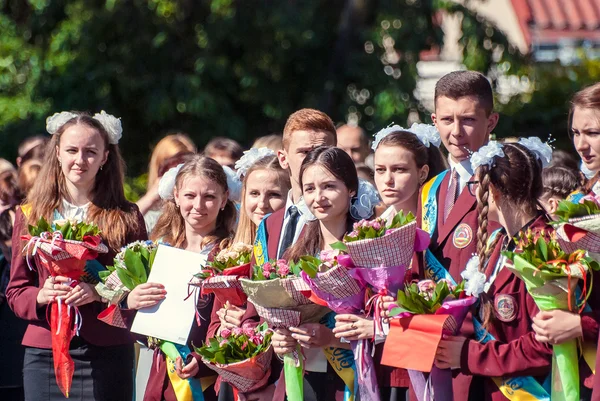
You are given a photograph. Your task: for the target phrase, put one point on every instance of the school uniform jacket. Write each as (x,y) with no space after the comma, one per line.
(453,243)
(515,351)
(25,285)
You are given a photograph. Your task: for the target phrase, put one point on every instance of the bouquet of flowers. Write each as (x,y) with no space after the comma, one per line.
(241,357)
(375,243)
(281,298)
(221,276)
(425,311)
(551,276)
(63,249)
(131,267)
(578,226)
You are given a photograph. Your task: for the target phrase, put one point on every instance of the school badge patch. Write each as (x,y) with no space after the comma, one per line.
(463,235)
(505,307)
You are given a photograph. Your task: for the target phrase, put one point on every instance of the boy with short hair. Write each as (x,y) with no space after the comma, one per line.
(304,130)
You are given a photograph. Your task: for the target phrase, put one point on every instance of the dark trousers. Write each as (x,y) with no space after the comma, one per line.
(101,373)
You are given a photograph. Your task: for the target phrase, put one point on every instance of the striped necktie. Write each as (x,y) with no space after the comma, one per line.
(452,194)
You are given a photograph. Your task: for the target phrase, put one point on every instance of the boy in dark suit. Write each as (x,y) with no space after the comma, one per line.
(304,130)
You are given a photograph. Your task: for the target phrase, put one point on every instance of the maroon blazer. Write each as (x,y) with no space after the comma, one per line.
(453,243)
(25,284)
(274,226)
(515,352)
(455,240)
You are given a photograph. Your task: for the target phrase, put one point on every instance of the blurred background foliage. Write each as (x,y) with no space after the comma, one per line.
(239,68)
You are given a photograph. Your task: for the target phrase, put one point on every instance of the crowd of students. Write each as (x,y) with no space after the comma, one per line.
(298,196)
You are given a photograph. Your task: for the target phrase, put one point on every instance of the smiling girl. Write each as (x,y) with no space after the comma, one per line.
(329,184)
(197,217)
(265,187)
(82,179)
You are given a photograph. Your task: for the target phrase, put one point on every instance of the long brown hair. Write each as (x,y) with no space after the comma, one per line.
(108,209)
(521,190)
(587,98)
(246,229)
(423,155)
(341,166)
(171,225)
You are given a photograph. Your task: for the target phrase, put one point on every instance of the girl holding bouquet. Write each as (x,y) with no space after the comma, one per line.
(404,160)
(504,351)
(264,189)
(559,326)
(81,179)
(329,183)
(197,217)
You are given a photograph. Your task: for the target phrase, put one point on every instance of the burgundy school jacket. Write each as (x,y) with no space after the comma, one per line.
(274,226)
(515,352)
(453,243)
(455,240)
(25,284)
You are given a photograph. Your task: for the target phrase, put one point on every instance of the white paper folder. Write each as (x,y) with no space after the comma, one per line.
(171,319)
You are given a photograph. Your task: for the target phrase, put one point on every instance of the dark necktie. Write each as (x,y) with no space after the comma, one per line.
(290,230)
(452,194)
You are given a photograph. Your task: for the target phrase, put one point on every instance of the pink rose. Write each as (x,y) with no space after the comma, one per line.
(451,285)
(267,273)
(353,234)
(225,333)
(268,266)
(249,331)
(238,331)
(223,343)
(256,340)
(376,225)
(283,270)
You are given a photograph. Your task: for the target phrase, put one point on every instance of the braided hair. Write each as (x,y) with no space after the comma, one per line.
(516,177)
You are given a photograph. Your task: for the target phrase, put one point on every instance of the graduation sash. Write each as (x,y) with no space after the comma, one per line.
(261,252)
(186,389)
(524,388)
(342,361)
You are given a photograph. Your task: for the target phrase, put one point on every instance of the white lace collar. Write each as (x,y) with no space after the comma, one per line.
(70,211)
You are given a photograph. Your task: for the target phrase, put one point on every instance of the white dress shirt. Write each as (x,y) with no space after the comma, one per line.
(464,172)
(305,217)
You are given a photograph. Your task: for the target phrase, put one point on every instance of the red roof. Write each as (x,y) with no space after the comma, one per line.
(548,21)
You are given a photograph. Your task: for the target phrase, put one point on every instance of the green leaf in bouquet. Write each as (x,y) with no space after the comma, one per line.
(220,358)
(135,266)
(145,254)
(103,275)
(542,249)
(339,246)
(151,258)
(401,220)
(310,265)
(127,281)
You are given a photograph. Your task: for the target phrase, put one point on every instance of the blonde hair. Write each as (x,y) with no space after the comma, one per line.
(28,172)
(273,142)
(246,229)
(171,225)
(171,145)
(108,209)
